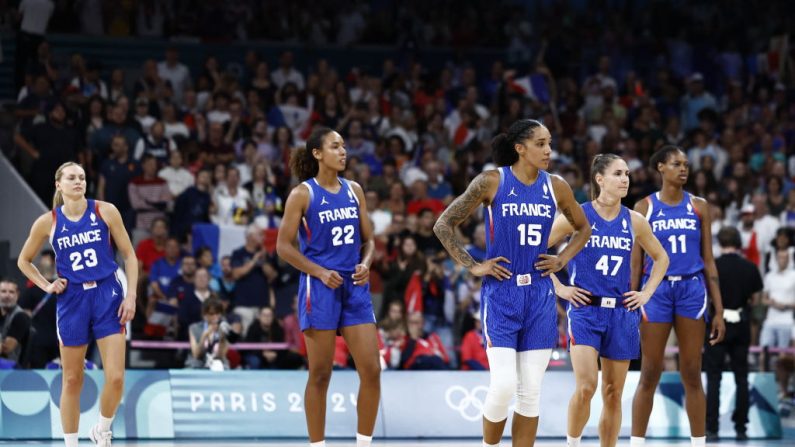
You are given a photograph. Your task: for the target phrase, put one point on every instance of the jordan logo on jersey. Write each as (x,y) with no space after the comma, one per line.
(512,193)
(323,201)
(593,227)
(660,214)
(93,219)
(114,293)
(64,229)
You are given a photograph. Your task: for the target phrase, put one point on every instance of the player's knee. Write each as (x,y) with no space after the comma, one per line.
(72,381)
(691,376)
(528,402)
(585,390)
(114,379)
(369,372)
(611,394)
(650,375)
(319,377)
(501,391)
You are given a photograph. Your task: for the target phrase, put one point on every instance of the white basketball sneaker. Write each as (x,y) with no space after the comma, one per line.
(100,438)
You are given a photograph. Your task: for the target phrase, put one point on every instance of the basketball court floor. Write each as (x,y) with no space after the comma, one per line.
(407,443)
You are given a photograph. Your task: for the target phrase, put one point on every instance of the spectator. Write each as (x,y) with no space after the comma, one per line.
(15,327)
(190,306)
(477,249)
(155,143)
(286,73)
(165,269)
(422,351)
(50,144)
(208,339)
(149,195)
(42,310)
(174,128)
(473,350)
(215,149)
(143,120)
(100,143)
(425,237)
(193,205)
(779,297)
(224,285)
(253,273)
(267,330)
(178,178)
(34,107)
(154,247)
(232,203)
(696,100)
(36,16)
(420,200)
(176,73)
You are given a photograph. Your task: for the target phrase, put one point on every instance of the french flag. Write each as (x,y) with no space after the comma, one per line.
(222,239)
(532,86)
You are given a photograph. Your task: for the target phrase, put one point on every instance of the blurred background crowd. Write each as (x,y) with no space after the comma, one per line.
(173,144)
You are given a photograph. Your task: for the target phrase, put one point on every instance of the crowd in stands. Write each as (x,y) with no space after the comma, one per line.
(181,145)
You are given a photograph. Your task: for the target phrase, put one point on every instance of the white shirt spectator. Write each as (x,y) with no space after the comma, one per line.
(178,75)
(176,129)
(280,77)
(780,285)
(218,116)
(381,221)
(178,179)
(227,205)
(36,15)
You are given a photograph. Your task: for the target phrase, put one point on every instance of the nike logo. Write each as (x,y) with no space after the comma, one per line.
(323,201)
(512,193)
(64,229)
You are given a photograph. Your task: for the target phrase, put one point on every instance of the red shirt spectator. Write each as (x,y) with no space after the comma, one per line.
(473,351)
(150,250)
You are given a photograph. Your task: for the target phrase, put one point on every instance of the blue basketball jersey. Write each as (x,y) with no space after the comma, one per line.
(518,223)
(83,251)
(602,267)
(678,228)
(330,234)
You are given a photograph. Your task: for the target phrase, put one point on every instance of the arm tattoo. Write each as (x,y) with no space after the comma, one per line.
(454,215)
(567,213)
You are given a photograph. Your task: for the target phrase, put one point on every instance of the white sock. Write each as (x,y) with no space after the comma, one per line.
(70,439)
(698,441)
(571,441)
(363,440)
(317,444)
(485,444)
(105,423)
(637,441)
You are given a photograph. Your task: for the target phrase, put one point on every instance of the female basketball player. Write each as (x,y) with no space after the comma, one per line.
(94,299)
(518,305)
(336,250)
(681,223)
(603,317)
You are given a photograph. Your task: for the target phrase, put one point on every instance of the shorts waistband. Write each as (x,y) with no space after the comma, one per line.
(681,277)
(605,301)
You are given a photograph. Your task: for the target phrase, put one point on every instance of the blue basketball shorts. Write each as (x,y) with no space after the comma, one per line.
(684,295)
(90,310)
(321,307)
(613,332)
(518,314)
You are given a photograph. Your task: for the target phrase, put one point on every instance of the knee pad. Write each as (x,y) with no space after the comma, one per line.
(502,383)
(531,366)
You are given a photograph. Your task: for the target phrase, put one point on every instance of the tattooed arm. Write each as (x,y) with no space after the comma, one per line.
(480,191)
(573,213)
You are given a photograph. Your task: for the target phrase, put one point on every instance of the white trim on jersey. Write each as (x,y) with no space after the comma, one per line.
(551,189)
(485,302)
(351,191)
(502,174)
(650,210)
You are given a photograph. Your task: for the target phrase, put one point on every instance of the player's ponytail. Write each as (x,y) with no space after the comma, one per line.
(57,198)
(599,166)
(503,145)
(302,163)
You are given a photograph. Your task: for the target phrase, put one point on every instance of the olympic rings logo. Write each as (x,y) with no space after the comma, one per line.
(469,404)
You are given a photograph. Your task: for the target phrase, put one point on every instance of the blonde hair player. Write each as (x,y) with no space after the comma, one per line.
(95,297)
